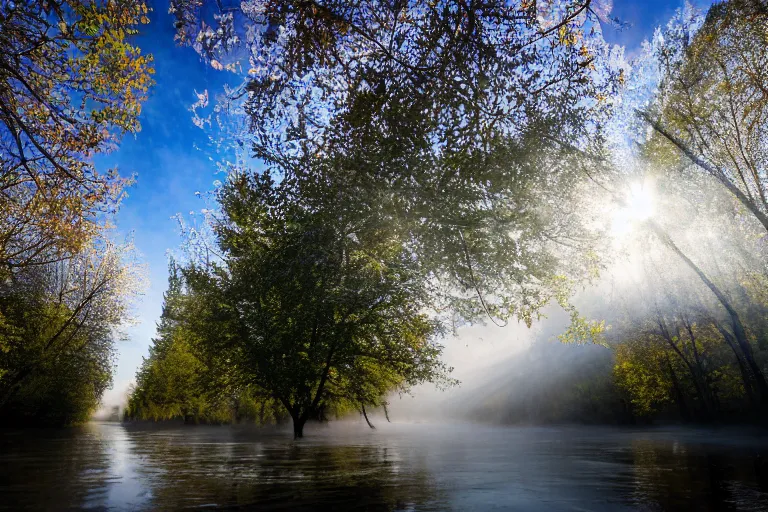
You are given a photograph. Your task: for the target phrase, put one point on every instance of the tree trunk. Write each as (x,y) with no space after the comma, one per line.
(706,412)
(698,384)
(685,413)
(701,374)
(748,203)
(749,357)
(362,408)
(298,426)
(738,328)
(702,391)
(745,377)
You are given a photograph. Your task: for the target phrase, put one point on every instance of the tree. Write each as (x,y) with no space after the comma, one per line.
(437,117)
(713,105)
(174,383)
(63,315)
(299,307)
(644,371)
(168,383)
(677,354)
(64,388)
(70,84)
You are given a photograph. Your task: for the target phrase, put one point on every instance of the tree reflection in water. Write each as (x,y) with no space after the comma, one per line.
(693,476)
(238,468)
(54,469)
(402,467)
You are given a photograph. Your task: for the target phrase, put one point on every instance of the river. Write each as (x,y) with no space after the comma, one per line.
(345,466)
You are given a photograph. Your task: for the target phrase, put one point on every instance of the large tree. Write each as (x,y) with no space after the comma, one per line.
(58,326)
(315,305)
(439,118)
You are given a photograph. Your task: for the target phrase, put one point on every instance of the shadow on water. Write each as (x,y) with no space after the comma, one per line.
(54,469)
(698,476)
(397,467)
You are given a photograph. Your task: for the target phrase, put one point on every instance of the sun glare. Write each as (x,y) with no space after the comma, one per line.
(640,202)
(637,207)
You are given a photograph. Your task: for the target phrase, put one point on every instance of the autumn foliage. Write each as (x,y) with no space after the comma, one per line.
(71,84)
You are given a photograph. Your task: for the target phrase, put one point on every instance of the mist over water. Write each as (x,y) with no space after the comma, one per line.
(516,375)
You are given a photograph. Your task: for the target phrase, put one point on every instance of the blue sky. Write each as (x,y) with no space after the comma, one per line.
(170,169)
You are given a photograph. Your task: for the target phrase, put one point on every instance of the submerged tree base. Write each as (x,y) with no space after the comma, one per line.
(298,429)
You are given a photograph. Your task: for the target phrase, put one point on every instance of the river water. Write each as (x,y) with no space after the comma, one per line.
(345,466)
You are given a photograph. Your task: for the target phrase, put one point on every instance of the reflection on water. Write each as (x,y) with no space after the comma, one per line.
(397,467)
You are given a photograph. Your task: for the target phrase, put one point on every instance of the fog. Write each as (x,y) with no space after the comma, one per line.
(516,374)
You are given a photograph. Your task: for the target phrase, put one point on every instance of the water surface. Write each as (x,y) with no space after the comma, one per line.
(345,466)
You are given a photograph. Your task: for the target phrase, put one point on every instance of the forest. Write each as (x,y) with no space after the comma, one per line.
(393,172)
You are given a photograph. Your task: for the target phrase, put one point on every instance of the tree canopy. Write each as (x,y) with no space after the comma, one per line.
(300,306)
(712,103)
(71,83)
(58,326)
(440,118)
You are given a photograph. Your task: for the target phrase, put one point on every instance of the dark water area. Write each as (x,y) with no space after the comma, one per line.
(409,467)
